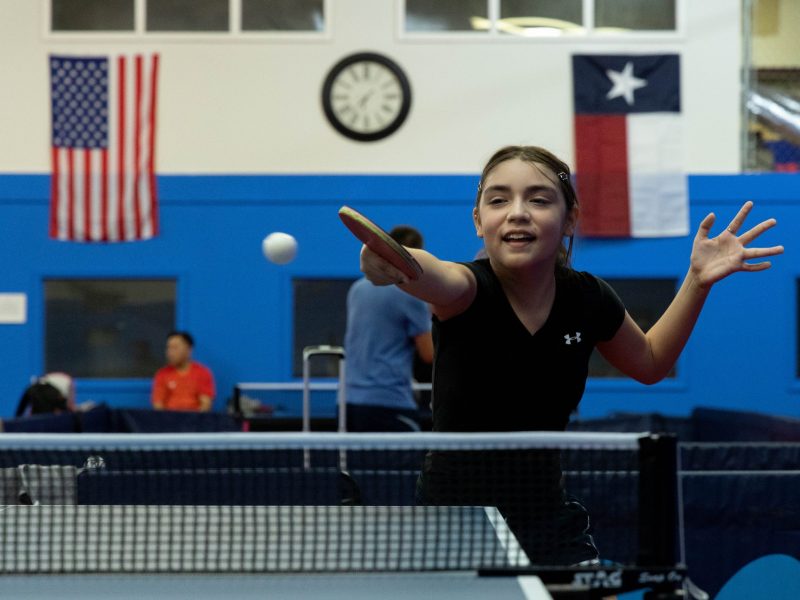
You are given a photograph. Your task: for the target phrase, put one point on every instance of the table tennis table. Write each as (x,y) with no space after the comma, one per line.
(354,552)
(198,552)
(253,539)
(157,530)
(344,586)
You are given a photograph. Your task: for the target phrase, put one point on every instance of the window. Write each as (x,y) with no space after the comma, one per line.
(320,317)
(537,18)
(444,15)
(91,15)
(525,17)
(646,300)
(107,328)
(283,15)
(187,16)
(651,15)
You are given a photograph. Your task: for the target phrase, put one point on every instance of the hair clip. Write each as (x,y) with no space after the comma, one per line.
(563,176)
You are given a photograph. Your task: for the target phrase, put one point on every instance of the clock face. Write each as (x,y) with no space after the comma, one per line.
(366,97)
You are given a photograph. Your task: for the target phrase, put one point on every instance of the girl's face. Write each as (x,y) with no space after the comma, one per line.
(522,215)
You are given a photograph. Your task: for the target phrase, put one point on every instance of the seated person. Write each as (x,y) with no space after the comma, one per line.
(183,384)
(52,393)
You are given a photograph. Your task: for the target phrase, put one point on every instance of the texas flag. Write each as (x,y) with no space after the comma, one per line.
(629,145)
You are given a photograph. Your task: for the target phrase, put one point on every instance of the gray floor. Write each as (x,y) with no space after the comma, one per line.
(445,586)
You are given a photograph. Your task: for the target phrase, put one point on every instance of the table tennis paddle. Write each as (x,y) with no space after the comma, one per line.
(380,242)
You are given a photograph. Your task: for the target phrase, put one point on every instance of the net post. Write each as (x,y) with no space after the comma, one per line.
(236,401)
(658,500)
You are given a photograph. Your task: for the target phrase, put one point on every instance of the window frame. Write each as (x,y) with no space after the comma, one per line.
(234,33)
(492,35)
(87,386)
(294,350)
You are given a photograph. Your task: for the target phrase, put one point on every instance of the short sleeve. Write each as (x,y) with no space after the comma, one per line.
(206,382)
(419,317)
(610,312)
(486,285)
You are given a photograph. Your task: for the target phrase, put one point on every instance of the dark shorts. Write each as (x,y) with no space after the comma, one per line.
(366,417)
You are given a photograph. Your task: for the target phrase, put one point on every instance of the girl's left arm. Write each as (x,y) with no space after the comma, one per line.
(648,357)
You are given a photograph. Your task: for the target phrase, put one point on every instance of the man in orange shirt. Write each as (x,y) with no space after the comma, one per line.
(183,384)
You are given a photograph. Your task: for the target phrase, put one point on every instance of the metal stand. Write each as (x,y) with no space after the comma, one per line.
(310,352)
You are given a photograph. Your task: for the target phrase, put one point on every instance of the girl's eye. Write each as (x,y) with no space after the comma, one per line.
(540,200)
(496,200)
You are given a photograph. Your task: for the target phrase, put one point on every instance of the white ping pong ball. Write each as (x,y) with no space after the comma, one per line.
(279,248)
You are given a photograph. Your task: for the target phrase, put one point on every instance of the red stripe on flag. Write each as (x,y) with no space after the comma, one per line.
(137,149)
(121,150)
(87,194)
(104,195)
(151,166)
(125,184)
(601,167)
(54,192)
(70,194)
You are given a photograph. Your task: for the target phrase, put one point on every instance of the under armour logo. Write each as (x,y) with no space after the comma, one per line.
(568,339)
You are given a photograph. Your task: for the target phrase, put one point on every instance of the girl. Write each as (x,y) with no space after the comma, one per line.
(513,333)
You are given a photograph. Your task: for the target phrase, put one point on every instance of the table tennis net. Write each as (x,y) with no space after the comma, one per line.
(332,502)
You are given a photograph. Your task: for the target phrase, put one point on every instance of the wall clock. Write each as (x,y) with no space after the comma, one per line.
(366,96)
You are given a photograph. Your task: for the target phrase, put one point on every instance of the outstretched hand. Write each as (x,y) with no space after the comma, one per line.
(378,270)
(715,258)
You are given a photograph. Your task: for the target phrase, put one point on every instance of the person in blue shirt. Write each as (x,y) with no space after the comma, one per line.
(385,326)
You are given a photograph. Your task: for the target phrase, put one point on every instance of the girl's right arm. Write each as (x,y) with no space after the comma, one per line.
(447,286)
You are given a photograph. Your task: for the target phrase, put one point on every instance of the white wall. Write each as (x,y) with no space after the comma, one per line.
(254,106)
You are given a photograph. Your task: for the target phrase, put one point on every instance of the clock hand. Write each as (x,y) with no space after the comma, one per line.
(363,100)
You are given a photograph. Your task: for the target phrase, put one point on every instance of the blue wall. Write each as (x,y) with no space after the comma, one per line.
(742,354)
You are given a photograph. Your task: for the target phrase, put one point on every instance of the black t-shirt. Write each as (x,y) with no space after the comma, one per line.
(491,374)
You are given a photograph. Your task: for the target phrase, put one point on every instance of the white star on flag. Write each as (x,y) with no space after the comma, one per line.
(624,83)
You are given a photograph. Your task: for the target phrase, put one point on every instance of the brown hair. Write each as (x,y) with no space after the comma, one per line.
(535,154)
(184,335)
(407,236)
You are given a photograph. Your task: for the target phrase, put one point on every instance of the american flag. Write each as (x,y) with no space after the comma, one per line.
(103,148)
(629,145)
